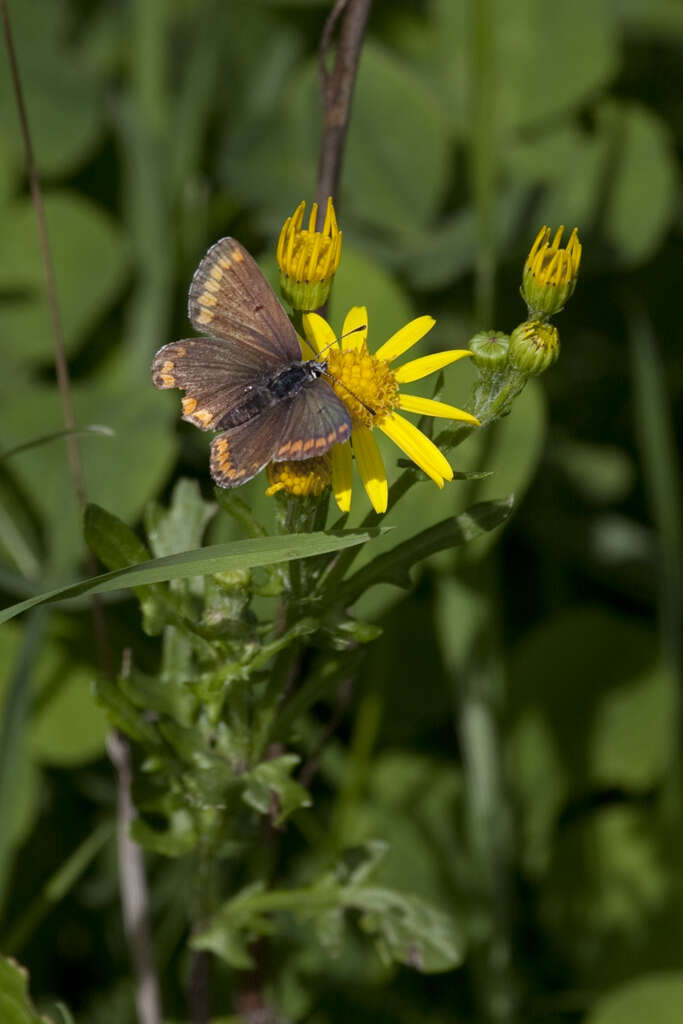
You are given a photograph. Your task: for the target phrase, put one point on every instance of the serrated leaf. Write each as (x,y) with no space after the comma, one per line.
(413,931)
(270,788)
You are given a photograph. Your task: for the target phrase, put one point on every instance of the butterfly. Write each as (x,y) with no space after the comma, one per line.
(247,379)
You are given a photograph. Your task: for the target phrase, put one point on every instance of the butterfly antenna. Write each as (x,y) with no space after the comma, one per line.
(353,394)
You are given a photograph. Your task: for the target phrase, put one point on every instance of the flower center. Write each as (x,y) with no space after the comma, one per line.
(365,384)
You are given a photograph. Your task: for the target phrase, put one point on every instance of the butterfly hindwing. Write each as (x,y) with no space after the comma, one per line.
(316,420)
(230,297)
(214,373)
(241,452)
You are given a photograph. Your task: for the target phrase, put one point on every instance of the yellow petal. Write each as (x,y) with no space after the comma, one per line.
(342,475)
(428,407)
(417,447)
(307,350)
(356,317)
(405,338)
(319,334)
(416,369)
(371,468)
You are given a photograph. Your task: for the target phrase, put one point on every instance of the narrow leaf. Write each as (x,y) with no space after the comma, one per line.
(245,554)
(394,565)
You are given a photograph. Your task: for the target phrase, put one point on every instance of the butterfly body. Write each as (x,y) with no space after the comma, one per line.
(247,378)
(283,386)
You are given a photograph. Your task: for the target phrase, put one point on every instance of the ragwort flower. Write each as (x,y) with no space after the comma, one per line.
(372,392)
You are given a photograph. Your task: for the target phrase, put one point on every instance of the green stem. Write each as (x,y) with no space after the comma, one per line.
(660,465)
(483,154)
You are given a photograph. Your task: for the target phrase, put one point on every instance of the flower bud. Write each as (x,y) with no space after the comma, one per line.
(490,350)
(534,346)
(308,259)
(550,273)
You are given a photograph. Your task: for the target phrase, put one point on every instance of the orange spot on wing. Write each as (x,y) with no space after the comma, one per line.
(309,444)
(205,317)
(189,406)
(204,416)
(237,256)
(320,442)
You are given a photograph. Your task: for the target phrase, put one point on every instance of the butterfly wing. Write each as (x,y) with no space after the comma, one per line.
(230,297)
(215,373)
(241,452)
(316,420)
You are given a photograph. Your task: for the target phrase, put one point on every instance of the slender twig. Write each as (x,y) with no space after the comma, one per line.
(133,881)
(336,87)
(134,900)
(48,267)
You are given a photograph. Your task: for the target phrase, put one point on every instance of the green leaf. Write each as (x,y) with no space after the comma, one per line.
(388,93)
(618,897)
(409,929)
(15,1003)
(245,554)
(63,99)
(582,59)
(643,197)
(393,566)
(626,723)
(182,526)
(270,788)
(654,998)
(117,546)
(89,256)
(121,476)
(264,154)
(15,777)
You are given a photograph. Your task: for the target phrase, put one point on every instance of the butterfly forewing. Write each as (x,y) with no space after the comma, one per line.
(317,420)
(230,298)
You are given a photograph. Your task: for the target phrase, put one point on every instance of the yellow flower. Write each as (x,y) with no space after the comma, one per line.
(550,273)
(371,390)
(304,478)
(308,259)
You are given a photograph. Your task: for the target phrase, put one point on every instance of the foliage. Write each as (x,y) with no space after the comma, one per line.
(327,836)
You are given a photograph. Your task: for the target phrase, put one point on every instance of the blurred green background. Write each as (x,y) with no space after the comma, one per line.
(160,126)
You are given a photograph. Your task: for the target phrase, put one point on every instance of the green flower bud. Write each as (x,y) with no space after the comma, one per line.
(534,346)
(490,350)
